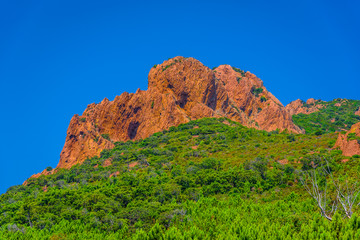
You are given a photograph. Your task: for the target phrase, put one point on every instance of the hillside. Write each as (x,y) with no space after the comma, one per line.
(207,179)
(201,154)
(318,117)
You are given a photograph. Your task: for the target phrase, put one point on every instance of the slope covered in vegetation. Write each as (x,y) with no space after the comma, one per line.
(207,179)
(333,116)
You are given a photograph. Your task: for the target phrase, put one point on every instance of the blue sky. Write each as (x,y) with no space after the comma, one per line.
(56,57)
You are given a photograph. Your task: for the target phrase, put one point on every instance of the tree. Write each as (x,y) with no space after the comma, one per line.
(315,182)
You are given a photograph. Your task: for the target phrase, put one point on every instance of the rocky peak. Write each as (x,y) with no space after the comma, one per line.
(179,90)
(251,97)
(310,101)
(187,80)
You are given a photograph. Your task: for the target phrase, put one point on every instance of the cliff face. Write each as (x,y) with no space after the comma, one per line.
(262,110)
(179,90)
(299,106)
(349,142)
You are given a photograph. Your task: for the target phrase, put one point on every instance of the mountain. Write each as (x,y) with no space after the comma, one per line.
(179,90)
(201,154)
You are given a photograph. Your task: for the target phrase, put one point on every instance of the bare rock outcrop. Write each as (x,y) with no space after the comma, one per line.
(249,95)
(358,112)
(298,106)
(179,90)
(349,142)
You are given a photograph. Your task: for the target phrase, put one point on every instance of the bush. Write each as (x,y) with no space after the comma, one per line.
(256,91)
(239,71)
(263,99)
(106,136)
(352,136)
(82,119)
(318,133)
(291,138)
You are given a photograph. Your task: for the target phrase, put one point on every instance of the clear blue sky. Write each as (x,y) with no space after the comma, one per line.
(56,57)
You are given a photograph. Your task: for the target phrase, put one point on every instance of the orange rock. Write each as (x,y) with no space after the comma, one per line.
(107,163)
(298,106)
(283,162)
(358,112)
(114,174)
(310,101)
(179,90)
(133,164)
(261,110)
(351,147)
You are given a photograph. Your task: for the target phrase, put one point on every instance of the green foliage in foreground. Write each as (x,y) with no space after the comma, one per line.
(330,118)
(207,179)
(209,218)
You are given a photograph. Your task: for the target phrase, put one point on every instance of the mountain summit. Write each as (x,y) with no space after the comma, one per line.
(179,90)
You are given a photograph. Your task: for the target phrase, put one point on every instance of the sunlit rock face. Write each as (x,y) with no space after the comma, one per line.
(179,90)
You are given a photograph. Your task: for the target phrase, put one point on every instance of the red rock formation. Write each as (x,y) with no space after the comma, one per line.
(358,112)
(349,147)
(179,90)
(299,106)
(310,101)
(248,94)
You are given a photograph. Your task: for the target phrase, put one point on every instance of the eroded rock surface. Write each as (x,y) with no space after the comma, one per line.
(299,106)
(179,90)
(349,142)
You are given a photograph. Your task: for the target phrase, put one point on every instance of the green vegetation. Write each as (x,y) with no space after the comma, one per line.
(256,91)
(106,136)
(155,66)
(334,116)
(82,119)
(352,136)
(167,66)
(49,169)
(263,99)
(239,71)
(152,104)
(206,179)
